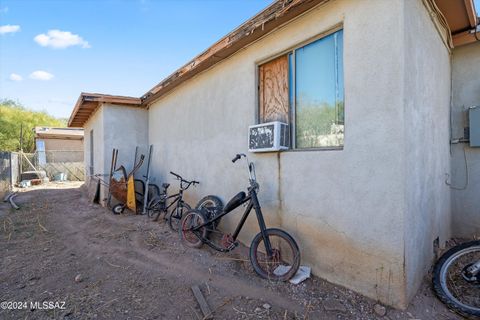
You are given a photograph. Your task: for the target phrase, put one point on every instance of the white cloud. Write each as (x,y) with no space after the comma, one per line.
(15,77)
(58,39)
(41,75)
(9,29)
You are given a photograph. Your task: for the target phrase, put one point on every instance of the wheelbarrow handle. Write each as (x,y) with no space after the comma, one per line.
(137,166)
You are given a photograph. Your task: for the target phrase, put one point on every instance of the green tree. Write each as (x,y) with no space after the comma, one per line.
(14,117)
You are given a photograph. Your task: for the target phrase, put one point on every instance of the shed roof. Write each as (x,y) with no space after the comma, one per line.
(58,133)
(88,103)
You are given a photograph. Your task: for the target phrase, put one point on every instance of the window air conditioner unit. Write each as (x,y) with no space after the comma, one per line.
(266,137)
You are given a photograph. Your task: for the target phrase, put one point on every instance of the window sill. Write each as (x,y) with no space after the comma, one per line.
(315,149)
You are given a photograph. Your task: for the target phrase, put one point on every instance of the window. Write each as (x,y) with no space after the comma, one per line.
(42,156)
(304,88)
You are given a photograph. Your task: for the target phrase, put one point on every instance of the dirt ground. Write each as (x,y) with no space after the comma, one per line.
(61,248)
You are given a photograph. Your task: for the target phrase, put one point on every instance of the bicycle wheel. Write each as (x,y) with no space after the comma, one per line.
(284,262)
(176,215)
(452,282)
(211,206)
(191,219)
(154,208)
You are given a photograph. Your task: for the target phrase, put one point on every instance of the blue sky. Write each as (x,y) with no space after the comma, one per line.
(51,50)
(120,47)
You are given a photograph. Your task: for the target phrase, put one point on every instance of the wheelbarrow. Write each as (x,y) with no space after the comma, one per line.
(122,188)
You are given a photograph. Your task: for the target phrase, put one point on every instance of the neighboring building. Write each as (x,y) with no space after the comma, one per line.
(59,152)
(59,144)
(368,89)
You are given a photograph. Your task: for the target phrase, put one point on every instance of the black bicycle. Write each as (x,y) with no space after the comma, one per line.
(274,254)
(161,204)
(456,278)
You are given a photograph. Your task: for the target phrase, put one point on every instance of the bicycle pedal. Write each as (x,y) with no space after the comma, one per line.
(233,245)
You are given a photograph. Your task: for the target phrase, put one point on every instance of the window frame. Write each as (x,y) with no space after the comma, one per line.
(292,108)
(92,155)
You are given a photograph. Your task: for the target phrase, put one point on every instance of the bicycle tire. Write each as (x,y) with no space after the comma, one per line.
(191,219)
(439,279)
(212,206)
(175,216)
(154,208)
(256,252)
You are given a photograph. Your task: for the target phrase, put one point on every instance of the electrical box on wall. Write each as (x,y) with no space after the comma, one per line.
(474,123)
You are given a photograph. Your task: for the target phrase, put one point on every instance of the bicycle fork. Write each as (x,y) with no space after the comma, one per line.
(261,224)
(254,204)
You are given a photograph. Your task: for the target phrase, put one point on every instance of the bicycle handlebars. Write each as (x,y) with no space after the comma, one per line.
(176,175)
(194,182)
(237,157)
(250,167)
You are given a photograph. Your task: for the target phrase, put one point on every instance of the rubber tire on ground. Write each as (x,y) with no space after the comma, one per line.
(254,246)
(118,208)
(217,204)
(174,222)
(437,287)
(203,232)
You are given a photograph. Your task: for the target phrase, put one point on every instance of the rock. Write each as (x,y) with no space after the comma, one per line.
(380,310)
(45,249)
(78,278)
(333,305)
(266,306)
(257,310)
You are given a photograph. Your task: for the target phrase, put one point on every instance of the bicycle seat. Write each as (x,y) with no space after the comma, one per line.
(165,185)
(235,201)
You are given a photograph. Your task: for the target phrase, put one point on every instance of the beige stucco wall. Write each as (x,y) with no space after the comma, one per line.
(95,123)
(126,129)
(466,93)
(427,142)
(63,145)
(120,127)
(64,150)
(345,208)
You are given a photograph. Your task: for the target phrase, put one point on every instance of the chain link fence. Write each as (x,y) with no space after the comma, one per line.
(68,164)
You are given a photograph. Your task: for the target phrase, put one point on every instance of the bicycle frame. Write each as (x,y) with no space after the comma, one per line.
(178,200)
(253,203)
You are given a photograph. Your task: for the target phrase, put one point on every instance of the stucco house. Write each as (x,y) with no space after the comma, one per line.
(375,94)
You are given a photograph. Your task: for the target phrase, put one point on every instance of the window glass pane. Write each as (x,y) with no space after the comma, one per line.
(319,93)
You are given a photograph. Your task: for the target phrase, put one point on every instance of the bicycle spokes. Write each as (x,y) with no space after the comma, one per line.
(463,286)
(282,258)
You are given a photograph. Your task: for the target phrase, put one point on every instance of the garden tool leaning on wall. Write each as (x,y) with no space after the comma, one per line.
(122,187)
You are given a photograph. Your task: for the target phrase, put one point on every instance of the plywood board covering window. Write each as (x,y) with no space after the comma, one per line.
(273,90)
